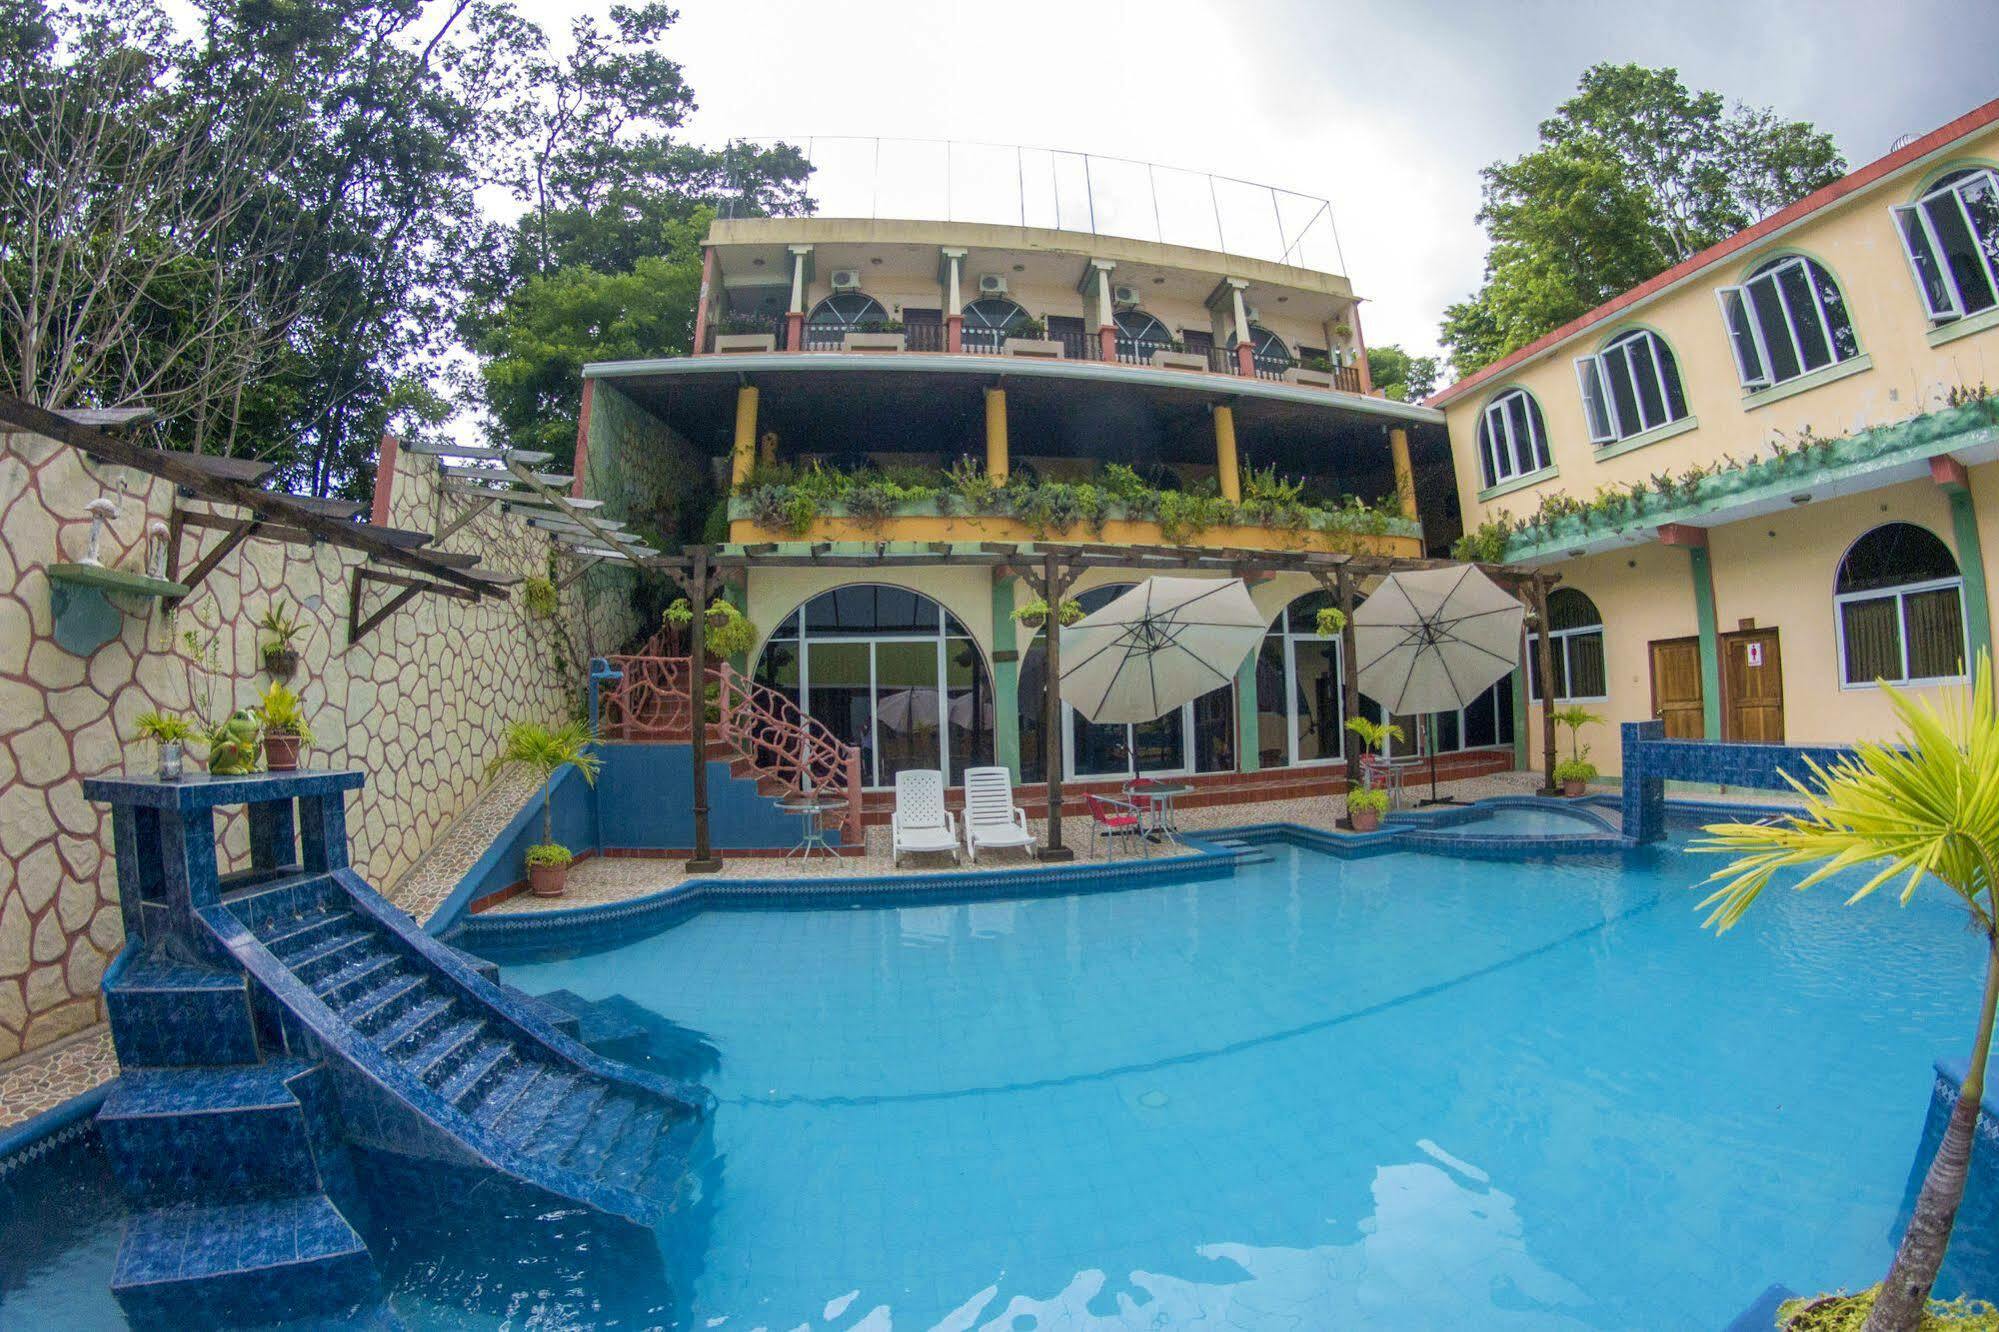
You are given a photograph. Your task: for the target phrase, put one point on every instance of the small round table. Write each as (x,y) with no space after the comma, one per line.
(1160,795)
(809,809)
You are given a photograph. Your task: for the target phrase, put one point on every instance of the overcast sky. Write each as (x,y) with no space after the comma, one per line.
(1386,109)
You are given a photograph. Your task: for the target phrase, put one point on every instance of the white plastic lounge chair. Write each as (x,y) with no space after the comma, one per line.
(992,820)
(920,821)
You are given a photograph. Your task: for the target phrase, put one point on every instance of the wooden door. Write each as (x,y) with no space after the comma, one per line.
(1752,687)
(1676,687)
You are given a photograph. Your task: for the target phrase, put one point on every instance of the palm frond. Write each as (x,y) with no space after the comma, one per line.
(1925,806)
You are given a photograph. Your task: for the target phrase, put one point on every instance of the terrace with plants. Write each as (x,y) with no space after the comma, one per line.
(783,502)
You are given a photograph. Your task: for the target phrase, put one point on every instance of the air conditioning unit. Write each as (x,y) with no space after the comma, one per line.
(1124,295)
(992,284)
(846,279)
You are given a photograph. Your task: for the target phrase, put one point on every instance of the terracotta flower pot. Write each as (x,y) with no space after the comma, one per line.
(1572,789)
(281,662)
(547,880)
(1365,820)
(281,752)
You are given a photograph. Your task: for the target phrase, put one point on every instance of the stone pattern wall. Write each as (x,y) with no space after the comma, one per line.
(420,704)
(647,475)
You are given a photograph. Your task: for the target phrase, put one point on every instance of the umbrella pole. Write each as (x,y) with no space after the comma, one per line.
(1435,799)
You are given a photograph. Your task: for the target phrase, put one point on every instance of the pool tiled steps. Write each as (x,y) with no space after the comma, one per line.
(326,1018)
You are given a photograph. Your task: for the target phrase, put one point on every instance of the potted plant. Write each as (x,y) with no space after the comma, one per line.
(1575,774)
(547,751)
(1576,771)
(1035,613)
(1365,808)
(1374,734)
(172,732)
(280,649)
(232,744)
(281,717)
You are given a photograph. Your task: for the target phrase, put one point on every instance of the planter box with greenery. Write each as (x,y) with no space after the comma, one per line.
(1179,360)
(1309,377)
(744,342)
(1048,349)
(874,342)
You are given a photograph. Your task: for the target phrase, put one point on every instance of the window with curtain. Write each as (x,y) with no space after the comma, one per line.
(1631,386)
(1788,319)
(1576,646)
(1951,236)
(1900,605)
(1512,438)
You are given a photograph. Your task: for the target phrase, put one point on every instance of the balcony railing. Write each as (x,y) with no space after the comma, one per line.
(1076,345)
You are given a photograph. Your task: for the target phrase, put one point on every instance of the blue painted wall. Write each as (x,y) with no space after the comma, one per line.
(643,801)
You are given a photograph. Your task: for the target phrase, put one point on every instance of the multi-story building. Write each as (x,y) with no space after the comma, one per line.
(1007,385)
(1765,476)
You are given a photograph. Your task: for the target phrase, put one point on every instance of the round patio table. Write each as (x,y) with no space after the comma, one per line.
(1160,795)
(809,809)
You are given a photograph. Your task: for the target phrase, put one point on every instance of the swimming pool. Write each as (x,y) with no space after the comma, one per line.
(1404,1090)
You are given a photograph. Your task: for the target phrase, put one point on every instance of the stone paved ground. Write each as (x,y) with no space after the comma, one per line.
(46,1078)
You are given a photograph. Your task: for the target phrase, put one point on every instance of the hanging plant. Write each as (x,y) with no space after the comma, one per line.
(280,649)
(726,631)
(538,597)
(1330,622)
(1035,613)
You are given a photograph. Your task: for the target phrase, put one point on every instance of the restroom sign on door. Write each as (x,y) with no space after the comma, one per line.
(1755,651)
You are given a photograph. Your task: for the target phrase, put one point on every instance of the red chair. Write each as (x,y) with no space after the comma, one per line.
(1111,820)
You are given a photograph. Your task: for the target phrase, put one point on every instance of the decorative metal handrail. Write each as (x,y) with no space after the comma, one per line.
(760,726)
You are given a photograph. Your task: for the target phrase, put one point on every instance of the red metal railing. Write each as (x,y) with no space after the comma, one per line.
(752,722)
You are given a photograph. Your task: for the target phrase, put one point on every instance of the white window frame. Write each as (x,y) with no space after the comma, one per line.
(1560,644)
(1900,593)
(1919,210)
(1606,423)
(1765,375)
(1537,442)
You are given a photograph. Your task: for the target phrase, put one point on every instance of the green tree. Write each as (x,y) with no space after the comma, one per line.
(1925,807)
(1401,376)
(1633,174)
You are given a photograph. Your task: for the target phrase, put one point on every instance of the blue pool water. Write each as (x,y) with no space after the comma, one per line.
(1404,1091)
(1515,821)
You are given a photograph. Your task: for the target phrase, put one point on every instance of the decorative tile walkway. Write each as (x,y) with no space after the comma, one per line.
(423,890)
(48,1077)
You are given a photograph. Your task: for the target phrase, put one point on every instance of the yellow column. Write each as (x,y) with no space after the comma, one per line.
(996,435)
(744,455)
(1405,475)
(1225,457)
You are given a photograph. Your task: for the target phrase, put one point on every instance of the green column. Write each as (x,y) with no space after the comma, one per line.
(1971,560)
(1006,680)
(1703,574)
(1247,759)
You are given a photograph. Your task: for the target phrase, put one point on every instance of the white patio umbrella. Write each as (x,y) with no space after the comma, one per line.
(1433,640)
(1164,643)
(901,709)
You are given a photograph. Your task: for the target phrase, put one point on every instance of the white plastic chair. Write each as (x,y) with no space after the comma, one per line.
(992,820)
(920,821)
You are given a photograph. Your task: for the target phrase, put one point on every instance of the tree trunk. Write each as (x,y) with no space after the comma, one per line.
(1906,1292)
(548,811)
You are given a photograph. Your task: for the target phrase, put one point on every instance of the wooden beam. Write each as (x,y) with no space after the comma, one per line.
(234,537)
(202,479)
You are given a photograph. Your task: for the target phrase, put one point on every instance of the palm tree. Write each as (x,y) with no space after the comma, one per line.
(1925,807)
(547,751)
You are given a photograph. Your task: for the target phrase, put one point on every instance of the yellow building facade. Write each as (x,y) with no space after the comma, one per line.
(1766,477)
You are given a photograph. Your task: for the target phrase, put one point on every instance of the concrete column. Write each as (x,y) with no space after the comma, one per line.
(996,459)
(1006,678)
(1244,353)
(1360,346)
(1106,315)
(1545,650)
(954,301)
(702,303)
(794,319)
(1952,479)
(1405,474)
(1694,539)
(1227,469)
(743,456)
(1247,757)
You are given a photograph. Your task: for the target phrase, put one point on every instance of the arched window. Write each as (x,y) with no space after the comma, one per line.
(1140,334)
(888,670)
(1267,352)
(1631,386)
(1575,631)
(990,321)
(1900,603)
(1788,319)
(1952,238)
(1512,439)
(846,311)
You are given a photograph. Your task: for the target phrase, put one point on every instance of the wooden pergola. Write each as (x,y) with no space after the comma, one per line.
(1050,568)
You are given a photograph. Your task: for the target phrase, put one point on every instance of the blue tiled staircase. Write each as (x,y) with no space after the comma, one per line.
(267,1021)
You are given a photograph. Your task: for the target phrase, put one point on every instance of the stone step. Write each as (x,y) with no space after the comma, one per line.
(268,1261)
(223,1134)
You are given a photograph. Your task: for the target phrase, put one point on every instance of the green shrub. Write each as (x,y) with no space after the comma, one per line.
(165,727)
(1360,800)
(1842,1312)
(538,597)
(547,855)
(1575,770)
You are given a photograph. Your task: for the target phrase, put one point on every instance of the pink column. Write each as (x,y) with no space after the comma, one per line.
(1107,342)
(701,305)
(1360,345)
(794,331)
(954,333)
(385,480)
(1245,360)
(582,463)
